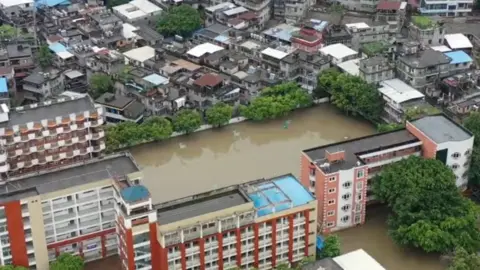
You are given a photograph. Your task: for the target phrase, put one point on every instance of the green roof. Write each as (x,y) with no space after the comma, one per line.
(374,48)
(423,22)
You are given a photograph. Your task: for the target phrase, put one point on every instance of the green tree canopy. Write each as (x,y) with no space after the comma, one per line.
(45,57)
(128,133)
(219,114)
(277,101)
(463,260)
(180,20)
(187,121)
(11,267)
(389,127)
(331,247)
(67,261)
(428,211)
(7,31)
(114,3)
(351,94)
(101,83)
(472,123)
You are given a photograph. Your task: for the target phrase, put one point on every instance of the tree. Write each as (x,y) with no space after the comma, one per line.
(351,94)
(338,10)
(219,114)
(101,83)
(157,128)
(331,247)
(389,127)
(472,123)
(11,267)
(7,31)
(463,260)
(67,261)
(277,101)
(180,20)
(428,211)
(45,56)
(187,121)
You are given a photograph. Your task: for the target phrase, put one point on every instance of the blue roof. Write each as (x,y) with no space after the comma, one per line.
(135,193)
(458,57)
(51,3)
(222,39)
(57,47)
(3,85)
(156,79)
(282,193)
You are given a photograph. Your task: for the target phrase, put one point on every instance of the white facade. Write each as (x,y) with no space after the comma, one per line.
(458,159)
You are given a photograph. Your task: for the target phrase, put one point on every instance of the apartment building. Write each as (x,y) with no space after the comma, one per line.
(47,135)
(363,33)
(291,11)
(119,108)
(391,12)
(71,210)
(399,97)
(262,8)
(39,85)
(340,174)
(376,69)
(426,31)
(456,8)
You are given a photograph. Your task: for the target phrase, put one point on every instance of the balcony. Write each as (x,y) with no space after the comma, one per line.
(71,227)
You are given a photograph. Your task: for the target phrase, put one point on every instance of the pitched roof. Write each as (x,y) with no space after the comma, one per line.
(209,79)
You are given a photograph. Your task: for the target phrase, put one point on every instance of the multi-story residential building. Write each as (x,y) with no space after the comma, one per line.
(340,173)
(399,97)
(339,53)
(120,108)
(69,210)
(457,8)
(354,260)
(426,31)
(98,208)
(307,38)
(291,11)
(363,33)
(47,135)
(40,85)
(263,9)
(18,13)
(303,68)
(333,34)
(376,69)
(393,13)
(423,68)
(137,11)
(363,5)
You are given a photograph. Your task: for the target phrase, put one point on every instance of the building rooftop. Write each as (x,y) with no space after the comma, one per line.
(459,57)
(357,26)
(20,51)
(156,79)
(209,79)
(337,51)
(398,91)
(351,67)
(441,129)
(200,50)
(278,194)
(267,196)
(441,48)
(282,32)
(78,174)
(357,260)
(277,54)
(48,110)
(389,5)
(458,41)
(426,59)
(135,193)
(357,146)
(141,54)
(57,47)
(323,264)
(3,85)
(221,6)
(112,100)
(10,3)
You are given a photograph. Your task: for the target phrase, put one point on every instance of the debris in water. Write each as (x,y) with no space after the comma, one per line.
(236,133)
(182,145)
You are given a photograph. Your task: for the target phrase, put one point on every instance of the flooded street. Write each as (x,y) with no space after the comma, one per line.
(239,153)
(373,238)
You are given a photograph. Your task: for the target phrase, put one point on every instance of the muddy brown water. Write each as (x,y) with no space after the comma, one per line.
(211,159)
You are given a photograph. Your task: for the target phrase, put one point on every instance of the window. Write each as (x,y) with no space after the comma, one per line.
(455,166)
(455,155)
(347,184)
(345,219)
(468,152)
(360,174)
(358,219)
(466,164)
(346,196)
(358,207)
(359,196)
(332,190)
(330,213)
(330,224)
(330,202)
(346,207)
(332,179)
(359,185)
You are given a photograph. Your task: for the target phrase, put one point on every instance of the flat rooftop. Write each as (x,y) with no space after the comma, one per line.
(45,110)
(360,145)
(441,129)
(79,174)
(267,195)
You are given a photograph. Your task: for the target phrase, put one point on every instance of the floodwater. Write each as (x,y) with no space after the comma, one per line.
(239,153)
(202,161)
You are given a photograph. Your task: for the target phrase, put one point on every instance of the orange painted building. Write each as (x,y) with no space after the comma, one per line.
(339,174)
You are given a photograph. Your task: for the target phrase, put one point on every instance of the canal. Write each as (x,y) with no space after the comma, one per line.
(202,161)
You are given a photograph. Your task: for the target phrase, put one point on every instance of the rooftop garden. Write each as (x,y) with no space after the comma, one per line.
(374,48)
(422,22)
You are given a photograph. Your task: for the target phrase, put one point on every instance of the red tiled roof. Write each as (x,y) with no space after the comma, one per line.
(247,16)
(54,38)
(5,70)
(388,5)
(208,80)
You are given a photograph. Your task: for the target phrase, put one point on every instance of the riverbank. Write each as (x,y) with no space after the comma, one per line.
(205,127)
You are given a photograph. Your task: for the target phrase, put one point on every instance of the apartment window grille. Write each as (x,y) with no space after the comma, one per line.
(332,190)
(455,155)
(330,202)
(360,174)
(347,184)
(346,196)
(359,185)
(330,224)
(345,219)
(454,166)
(330,213)
(346,207)
(332,179)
